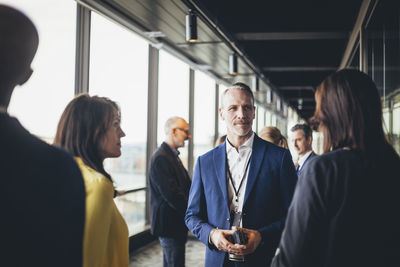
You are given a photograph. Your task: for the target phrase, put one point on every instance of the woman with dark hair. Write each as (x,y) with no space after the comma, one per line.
(345,211)
(90,130)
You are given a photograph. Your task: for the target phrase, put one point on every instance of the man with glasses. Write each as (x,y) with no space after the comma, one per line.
(169,188)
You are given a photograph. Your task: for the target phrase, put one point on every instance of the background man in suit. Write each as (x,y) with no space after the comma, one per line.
(169,188)
(42,194)
(245,182)
(302,142)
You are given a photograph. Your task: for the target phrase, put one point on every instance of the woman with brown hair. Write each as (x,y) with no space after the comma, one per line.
(345,211)
(90,130)
(273,135)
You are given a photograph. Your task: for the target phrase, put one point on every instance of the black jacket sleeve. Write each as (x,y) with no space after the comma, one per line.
(302,242)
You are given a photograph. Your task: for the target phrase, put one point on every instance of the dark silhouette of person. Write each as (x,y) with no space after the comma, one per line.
(42,192)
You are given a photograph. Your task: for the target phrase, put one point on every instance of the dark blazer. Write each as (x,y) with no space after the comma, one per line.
(312,155)
(169,189)
(345,213)
(43,201)
(270,186)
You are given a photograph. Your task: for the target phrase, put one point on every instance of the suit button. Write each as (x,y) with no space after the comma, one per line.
(227,219)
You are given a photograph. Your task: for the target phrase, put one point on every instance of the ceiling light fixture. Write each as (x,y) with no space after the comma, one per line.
(300,104)
(256,83)
(191,27)
(233,65)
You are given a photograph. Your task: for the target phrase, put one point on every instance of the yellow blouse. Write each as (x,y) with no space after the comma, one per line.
(106,235)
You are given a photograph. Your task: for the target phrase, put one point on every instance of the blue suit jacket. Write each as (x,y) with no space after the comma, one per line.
(269,190)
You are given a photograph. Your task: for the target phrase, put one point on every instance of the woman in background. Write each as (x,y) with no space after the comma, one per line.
(345,210)
(90,130)
(273,135)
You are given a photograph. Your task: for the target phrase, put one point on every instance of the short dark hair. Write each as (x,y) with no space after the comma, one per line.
(304,127)
(241,86)
(349,112)
(83,126)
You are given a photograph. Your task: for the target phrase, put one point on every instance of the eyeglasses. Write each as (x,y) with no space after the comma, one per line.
(187,132)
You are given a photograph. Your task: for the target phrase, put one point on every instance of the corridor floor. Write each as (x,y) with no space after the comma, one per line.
(151,255)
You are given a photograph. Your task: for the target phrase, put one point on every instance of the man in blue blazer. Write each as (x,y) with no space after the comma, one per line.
(245,182)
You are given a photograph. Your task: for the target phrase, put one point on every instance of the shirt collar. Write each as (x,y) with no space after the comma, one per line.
(176,152)
(247,144)
(303,158)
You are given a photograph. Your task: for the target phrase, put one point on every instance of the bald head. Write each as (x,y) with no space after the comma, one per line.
(177,132)
(18,44)
(172,123)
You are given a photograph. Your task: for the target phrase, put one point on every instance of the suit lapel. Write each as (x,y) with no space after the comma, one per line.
(219,158)
(257,156)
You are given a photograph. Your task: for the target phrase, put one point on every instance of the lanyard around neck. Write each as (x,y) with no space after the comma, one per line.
(241,181)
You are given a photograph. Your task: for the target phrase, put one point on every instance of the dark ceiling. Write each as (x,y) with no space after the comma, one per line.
(294,43)
(291,45)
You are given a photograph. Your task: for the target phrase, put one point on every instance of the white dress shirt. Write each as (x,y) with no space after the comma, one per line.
(301,160)
(237,161)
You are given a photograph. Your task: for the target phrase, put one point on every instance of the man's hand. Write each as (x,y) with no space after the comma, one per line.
(254,239)
(219,238)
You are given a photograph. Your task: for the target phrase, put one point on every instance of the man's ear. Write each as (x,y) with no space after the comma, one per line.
(220,113)
(25,77)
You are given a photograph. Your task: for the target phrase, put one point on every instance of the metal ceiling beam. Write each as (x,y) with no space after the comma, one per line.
(280,36)
(306,87)
(299,68)
(365,9)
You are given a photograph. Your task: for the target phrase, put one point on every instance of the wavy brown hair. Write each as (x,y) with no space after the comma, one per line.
(349,113)
(82,128)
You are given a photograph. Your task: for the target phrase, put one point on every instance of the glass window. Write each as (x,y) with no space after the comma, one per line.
(260,118)
(122,76)
(204,114)
(281,124)
(386,122)
(383,47)
(396,126)
(133,208)
(221,123)
(355,61)
(173,95)
(39,103)
(273,120)
(268,118)
(118,70)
